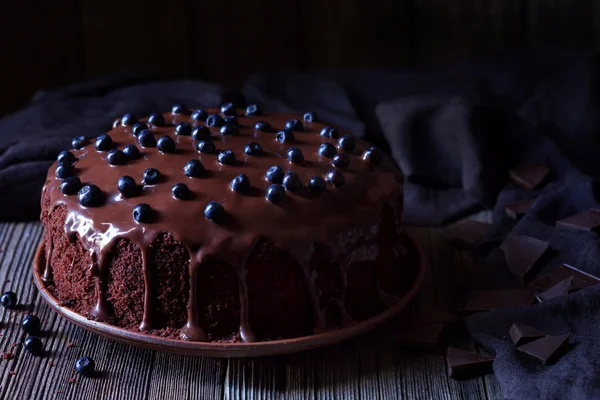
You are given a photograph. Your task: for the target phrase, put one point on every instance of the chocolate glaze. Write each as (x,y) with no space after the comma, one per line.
(338,218)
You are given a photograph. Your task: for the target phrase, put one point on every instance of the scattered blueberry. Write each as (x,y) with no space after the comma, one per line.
(292,182)
(199,115)
(285,136)
(70,186)
(329,132)
(316,184)
(138,127)
(146,138)
(206,146)
(294,125)
(262,126)
(79,142)
(275,193)
(128,119)
(127,186)
(232,121)
(347,143)
(295,155)
(252,110)
(228,109)
(132,152)
(8,300)
(165,144)
(34,345)
(179,109)
(327,150)
(156,119)
(66,158)
(373,155)
(340,160)
(64,171)
(180,191)
(104,143)
(226,157)
(85,366)
(90,196)
(215,120)
(214,211)
(240,183)
(335,178)
(310,117)
(143,213)
(151,176)
(31,325)
(228,130)
(194,169)
(183,129)
(253,149)
(116,157)
(201,133)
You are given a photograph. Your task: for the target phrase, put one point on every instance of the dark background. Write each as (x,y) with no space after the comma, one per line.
(45,44)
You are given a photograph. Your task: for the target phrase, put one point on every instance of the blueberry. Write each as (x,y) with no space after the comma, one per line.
(347,143)
(327,150)
(34,345)
(201,133)
(316,184)
(199,115)
(275,193)
(295,155)
(275,174)
(132,152)
(206,146)
(129,119)
(151,176)
(292,182)
(228,109)
(183,129)
(165,144)
(179,109)
(285,136)
(232,121)
(228,130)
(240,183)
(85,366)
(31,325)
(116,157)
(70,185)
(104,143)
(156,119)
(226,157)
(194,169)
(252,110)
(64,171)
(262,126)
(8,300)
(329,132)
(180,191)
(253,149)
(215,120)
(127,186)
(294,125)
(146,138)
(90,196)
(340,161)
(143,213)
(66,158)
(214,211)
(310,117)
(373,155)
(335,178)
(138,127)
(79,142)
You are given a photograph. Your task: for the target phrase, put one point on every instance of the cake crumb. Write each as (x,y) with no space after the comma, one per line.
(7,355)
(59,391)
(13,373)
(70,344)
(71,380)
(50,364)
(15,344)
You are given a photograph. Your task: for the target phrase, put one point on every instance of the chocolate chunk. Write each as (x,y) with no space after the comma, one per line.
(464,364)
(579,280)
(484,300)
(559,289)
(521,334)
(586,221)
(523,254)
(546,349)
(529,176)
(467,233)
(423,337)
(517,209)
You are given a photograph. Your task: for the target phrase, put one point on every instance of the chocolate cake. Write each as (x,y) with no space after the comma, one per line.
(225,225)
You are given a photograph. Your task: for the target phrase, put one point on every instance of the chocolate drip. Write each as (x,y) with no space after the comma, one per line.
(192,329)
(99,311)
(147,319)
(47,276)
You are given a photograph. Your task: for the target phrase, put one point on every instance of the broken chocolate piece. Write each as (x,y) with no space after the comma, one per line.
(587,221)
(464,364)
(484,300)
(517,209)
(529,176)
(467,233)
(579,280)
(559,289)
(523,254)
(423,337)
(546,349)
(521,334)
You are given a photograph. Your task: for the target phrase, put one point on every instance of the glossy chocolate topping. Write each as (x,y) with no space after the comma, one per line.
(337,217)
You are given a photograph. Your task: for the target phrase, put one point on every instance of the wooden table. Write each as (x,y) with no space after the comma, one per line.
(370,367)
